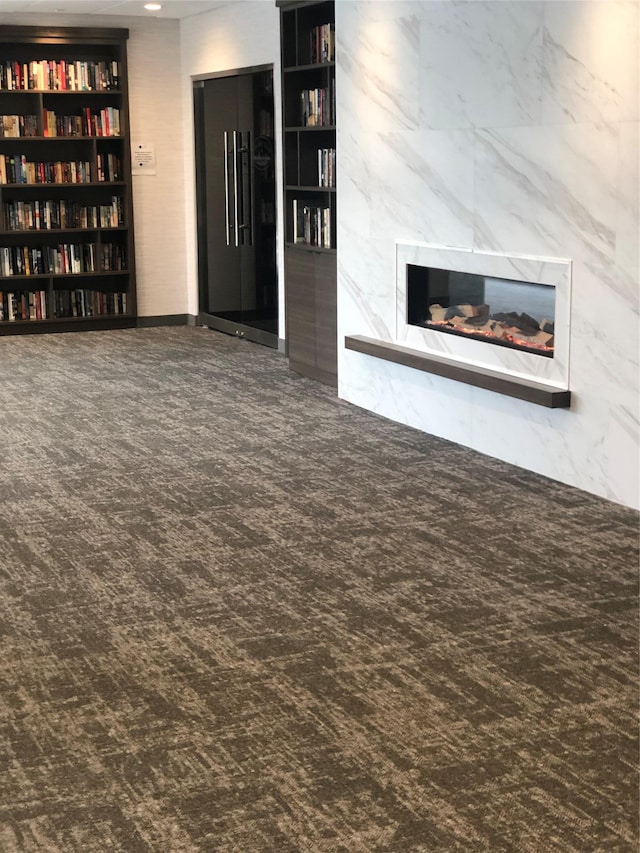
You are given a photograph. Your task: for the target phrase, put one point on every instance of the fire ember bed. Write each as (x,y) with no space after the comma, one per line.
(509,313)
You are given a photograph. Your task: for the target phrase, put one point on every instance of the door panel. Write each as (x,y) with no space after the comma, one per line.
(235,176)
(222,294)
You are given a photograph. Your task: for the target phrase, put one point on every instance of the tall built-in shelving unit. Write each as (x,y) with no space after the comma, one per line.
(66,225)
(310,184)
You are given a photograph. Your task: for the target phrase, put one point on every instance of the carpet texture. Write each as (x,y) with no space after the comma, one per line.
(238,614)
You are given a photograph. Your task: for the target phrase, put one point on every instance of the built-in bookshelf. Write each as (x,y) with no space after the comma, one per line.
(310,185)
(66,225)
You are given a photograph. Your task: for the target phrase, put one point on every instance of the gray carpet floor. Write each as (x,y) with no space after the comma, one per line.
(238,614)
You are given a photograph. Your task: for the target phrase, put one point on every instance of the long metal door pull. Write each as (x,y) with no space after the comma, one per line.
(236,215)
(226,188)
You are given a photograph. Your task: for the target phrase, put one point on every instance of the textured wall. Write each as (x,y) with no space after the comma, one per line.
(155,106)
(509,127)
(159,204)
(239,35)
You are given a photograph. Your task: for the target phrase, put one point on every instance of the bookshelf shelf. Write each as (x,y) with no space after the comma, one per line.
(310,185)
(312,129)
(42,233)
(65,93)
(26,140)
(64,131)
(295,69)
(65,184)
(29,140)
(309,188)
(56,321)
(303,247)
(63,275)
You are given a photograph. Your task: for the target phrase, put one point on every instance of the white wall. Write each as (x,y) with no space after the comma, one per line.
(156,113)
(238,35)
(508,126)
(157,116)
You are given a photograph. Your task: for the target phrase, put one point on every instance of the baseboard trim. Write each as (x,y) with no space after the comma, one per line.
(167,320)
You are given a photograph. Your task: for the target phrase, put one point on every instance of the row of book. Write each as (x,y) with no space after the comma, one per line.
(311,224)
(326,167)
(323,43)
(42,305)
(60,213)
(108,167)
(62,259)
(105,122)
(24,305)
(318,108)
(89,303)
(59,75)
(15,126)
(16,169)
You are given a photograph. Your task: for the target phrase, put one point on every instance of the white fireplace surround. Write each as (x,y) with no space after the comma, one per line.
(555,272)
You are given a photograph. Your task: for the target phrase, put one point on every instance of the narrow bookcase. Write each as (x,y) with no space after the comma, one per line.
(310,185)
(66,224)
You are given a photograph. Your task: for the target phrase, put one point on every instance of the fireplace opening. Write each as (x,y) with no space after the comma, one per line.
(509,313)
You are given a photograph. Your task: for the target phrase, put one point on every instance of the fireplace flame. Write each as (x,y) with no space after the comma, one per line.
(499,333)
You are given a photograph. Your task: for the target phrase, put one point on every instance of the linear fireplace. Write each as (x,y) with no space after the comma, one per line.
(487,310)
(499,311)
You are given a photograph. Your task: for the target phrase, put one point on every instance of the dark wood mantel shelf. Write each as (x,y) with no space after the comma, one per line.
(490,380)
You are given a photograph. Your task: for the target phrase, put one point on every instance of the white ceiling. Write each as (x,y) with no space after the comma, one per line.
(170,8)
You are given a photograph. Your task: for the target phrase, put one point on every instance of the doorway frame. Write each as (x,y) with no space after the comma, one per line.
(203,318)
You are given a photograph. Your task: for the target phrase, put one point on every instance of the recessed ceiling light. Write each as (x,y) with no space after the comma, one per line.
(153,7)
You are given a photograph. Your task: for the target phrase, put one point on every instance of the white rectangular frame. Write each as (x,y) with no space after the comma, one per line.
(555,272)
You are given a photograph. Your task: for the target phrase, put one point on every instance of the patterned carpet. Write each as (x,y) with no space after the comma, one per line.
(238,614)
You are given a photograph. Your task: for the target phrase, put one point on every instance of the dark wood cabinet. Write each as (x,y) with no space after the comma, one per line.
(310,186)
(311,314)
(66,222)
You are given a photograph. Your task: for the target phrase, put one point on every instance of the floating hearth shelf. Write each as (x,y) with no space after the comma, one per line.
(490,380)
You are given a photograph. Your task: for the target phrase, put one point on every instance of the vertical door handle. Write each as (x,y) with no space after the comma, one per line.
(247,212)
(236,199)
(226,188)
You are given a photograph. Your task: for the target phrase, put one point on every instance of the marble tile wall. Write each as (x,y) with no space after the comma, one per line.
(507,126)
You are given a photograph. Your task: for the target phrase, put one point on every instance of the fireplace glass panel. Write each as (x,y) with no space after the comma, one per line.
(515,314)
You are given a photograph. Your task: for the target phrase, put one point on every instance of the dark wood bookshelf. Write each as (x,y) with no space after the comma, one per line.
(65,77)
(310,198)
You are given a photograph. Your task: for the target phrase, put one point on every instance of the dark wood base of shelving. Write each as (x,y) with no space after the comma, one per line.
(521,389)
(84,324)
(93,324)
(167,320)
(312,372)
